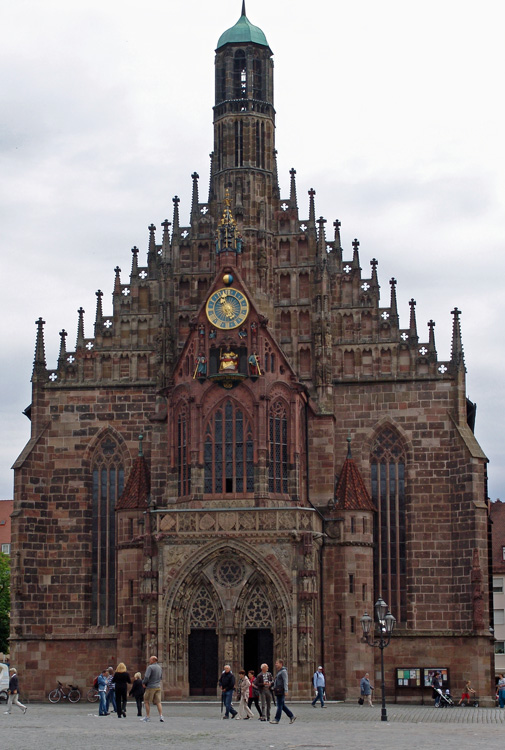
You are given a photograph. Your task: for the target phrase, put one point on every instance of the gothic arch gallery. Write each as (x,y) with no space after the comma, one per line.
(301,452)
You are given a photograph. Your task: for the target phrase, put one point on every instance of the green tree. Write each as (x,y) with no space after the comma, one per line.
(5,601)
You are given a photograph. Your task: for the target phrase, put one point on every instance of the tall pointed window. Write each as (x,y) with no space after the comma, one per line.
(107,486)
(240,75)
(228,452)
(183,463)
(388,494)
(278,446)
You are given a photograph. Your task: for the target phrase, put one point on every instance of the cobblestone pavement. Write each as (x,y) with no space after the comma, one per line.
(198,726)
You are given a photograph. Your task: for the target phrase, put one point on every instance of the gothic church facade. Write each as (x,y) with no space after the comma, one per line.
(301,452)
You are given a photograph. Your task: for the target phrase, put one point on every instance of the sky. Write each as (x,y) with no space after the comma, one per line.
(391,111)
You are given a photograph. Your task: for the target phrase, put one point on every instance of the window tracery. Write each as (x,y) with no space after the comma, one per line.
(203,612)
(258,613)
(107,486)
(228,451)
(278,448)
(183,462)
(388,494)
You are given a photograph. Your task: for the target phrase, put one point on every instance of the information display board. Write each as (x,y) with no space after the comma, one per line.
(408,677)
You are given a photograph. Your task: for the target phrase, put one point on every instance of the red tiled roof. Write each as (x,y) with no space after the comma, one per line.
(351,492)
(138,487)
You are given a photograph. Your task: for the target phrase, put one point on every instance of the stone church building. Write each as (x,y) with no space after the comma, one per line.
(301,452)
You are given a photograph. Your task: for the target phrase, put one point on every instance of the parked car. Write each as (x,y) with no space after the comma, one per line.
(4,682)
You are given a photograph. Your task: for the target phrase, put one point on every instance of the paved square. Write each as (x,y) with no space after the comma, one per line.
(198,726)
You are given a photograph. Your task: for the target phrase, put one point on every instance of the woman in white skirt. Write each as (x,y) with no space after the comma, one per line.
(244,712)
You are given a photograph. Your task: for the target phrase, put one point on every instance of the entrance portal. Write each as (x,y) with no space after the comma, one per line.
(203,665)
(258,648)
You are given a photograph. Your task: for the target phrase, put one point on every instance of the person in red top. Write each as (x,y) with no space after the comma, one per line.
(253,693)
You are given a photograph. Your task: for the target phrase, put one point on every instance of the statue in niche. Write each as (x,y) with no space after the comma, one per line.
(200,367)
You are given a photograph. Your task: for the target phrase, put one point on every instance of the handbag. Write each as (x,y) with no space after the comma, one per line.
(361,701)
(278,690)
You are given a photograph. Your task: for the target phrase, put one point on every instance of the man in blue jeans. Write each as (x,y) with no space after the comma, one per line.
(319,683)
(280,692)
(102,687)
(227,683)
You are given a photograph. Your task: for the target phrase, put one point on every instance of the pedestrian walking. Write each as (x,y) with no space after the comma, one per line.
(501,691)
(110,694)
(366,688)
(102,689)
(436,684)
(227,684)
(253,693)
(469,694)
(13,699)
(244,712)
(280,692)
(152,687)
(264,682)
(137,692)
(319,683)
(121,680)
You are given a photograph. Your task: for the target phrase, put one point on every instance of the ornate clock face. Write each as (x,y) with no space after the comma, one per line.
(227,308)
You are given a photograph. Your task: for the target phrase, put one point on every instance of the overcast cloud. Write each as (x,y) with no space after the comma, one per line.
(391,111)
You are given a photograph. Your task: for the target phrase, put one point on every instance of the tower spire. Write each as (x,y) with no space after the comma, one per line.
(195,200)
(457,356)
(99,312)
(135,261)
(393,304)
(80,329)
(431,344)
(292,193)
(413,324)
(243,8)
(39,361)
(62,356)
(175,224)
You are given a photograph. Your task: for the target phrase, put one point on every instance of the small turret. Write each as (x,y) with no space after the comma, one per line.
(393,304)
(431,345)
(62,356)
(151,254)
(135,262)
(195,199)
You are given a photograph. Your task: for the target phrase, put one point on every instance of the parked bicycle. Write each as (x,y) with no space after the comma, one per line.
(63,692)
(93,695)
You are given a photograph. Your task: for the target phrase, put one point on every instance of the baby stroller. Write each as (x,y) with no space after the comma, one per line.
(446,700)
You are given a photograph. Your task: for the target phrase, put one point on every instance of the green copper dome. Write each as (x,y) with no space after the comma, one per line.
(243,31)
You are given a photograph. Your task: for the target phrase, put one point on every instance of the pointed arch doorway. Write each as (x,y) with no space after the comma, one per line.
(202,661)
(258,649)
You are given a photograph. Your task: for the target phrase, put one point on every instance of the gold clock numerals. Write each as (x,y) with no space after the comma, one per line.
(227,308)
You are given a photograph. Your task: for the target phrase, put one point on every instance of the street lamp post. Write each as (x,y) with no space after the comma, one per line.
(385,625)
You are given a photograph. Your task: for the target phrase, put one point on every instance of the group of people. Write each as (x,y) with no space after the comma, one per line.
(113,689)
(262,690)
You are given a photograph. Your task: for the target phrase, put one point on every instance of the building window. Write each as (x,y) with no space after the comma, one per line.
(353,525)
(497,585)
(499,647)
(499,618)
(351,583)
(353,624)
(6,549)
(183,463)
(503,553)
(278,444)
(388,494)
(228,452)
(107,486)
(363,592)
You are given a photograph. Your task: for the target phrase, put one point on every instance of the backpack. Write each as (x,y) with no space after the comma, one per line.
(95,683)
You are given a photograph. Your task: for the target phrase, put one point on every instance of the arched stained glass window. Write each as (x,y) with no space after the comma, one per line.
(183,463)
(228,452)
(278,447)
(107,486)
(388,493)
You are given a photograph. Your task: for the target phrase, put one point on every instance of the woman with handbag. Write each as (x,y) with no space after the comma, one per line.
(365,690)
(244,712)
